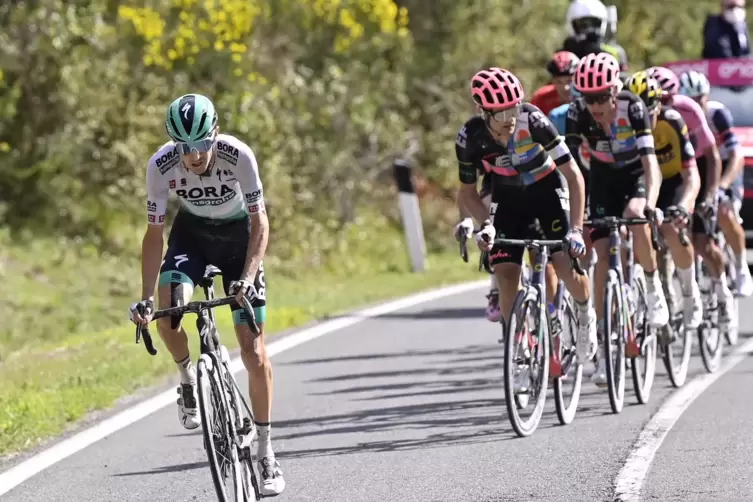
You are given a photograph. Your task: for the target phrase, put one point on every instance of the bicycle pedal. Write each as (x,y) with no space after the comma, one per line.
(632,349)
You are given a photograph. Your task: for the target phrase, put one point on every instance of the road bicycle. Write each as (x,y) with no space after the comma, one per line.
(627,333)
(226,419)
(534,343)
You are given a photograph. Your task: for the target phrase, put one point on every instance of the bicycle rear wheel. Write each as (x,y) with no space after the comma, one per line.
(643,366)
(222,454)
(567,386)
(614,342)
(526,349)
(675,352)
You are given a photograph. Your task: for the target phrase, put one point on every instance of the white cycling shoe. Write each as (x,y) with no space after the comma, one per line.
(658,312)
(599,377)
(693,309)
(188,412)
(744,284)
(586,343)
(272,482)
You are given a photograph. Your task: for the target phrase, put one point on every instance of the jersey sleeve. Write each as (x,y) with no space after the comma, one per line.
(641,124)
(467,162)
(573,128)
(723,122)
(247,174)
(544,133)
(157,191)
(687,153)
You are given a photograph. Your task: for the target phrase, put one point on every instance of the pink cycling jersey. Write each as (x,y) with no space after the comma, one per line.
(700,133)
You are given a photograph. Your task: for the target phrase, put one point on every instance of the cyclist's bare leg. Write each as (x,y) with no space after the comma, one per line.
(174,336)
(733,232)
(259,367)
(508,278)
(644,250)
(681,255)
(600,275)
(710,253)
(576,284)
(170,329)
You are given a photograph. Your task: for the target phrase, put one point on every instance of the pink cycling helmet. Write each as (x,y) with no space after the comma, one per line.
(496,88)
(597,73)
(667,79)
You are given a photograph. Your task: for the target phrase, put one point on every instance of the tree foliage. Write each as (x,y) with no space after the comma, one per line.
(326,92)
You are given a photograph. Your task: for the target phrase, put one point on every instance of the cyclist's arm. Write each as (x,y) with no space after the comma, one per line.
(641,123)
(152,244)
(573,137)
(468,198)
(544,133)
(247,173)
(723,123)
(713,171)
(691,181)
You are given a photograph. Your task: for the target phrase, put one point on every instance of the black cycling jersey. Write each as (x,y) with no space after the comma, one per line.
(630,137)
(533,151)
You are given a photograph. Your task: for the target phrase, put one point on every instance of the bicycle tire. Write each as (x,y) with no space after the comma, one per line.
(643,381)
(215,432)
(240,411)
(732,333)
(566,409)
(524,300)
(677,371)
(615,369)
(711,356)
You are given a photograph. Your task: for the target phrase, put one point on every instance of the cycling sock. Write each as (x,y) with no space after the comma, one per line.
(742,260)
(687,276)
(187,371)
(265,443)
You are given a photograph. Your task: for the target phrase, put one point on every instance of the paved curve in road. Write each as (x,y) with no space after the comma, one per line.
(410,407)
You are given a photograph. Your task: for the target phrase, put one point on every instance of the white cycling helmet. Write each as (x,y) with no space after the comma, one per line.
(586,17)
(694,84)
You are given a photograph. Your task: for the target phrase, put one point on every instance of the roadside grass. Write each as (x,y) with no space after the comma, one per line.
(66,351)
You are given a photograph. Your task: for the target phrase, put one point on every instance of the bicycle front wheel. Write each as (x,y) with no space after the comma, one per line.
(614,341)
(643,365)
(568,384)
(526,361)
(222,454)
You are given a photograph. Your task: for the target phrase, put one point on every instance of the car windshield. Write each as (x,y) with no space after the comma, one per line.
(739,103)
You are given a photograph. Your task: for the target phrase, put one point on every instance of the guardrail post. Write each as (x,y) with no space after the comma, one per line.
(410,214)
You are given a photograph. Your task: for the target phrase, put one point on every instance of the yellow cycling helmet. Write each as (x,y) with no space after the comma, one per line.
(645,87)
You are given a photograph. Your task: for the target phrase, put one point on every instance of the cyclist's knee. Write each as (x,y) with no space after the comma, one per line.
(635,208)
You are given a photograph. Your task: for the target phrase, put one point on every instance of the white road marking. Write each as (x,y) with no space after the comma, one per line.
(23,471)
(629,481)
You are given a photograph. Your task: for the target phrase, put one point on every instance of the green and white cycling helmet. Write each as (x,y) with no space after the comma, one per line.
(694,84)
(190,123)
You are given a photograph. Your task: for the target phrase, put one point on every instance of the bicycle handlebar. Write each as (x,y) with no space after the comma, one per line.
(538,244)
(142,330)
(614,222)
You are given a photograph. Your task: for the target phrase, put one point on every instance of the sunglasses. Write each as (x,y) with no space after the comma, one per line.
(200,146)
(597,99)
(505,115)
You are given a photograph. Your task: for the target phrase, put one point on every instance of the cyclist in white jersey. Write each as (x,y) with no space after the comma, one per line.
(222,221)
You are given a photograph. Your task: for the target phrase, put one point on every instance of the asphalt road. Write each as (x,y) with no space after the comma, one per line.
(409,407)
